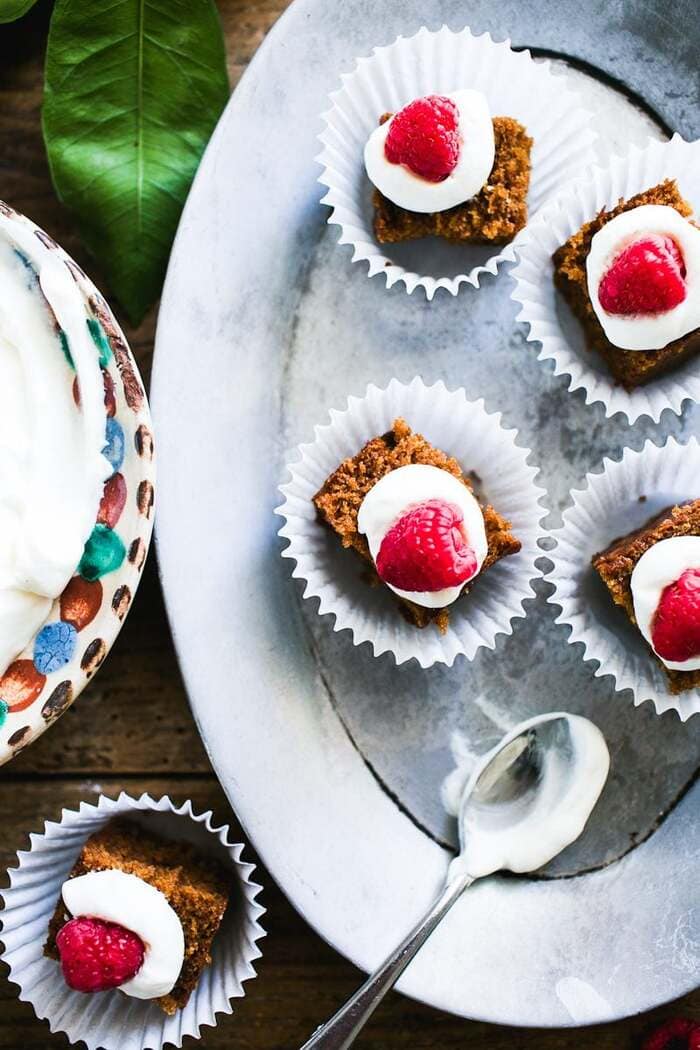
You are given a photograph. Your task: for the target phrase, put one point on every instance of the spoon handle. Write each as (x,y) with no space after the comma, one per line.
(344,1026)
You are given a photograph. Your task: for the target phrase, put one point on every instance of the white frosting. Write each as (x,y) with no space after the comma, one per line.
(658,567)
(405,487)
(116,896)
(646,331)
(477,149)
(51,465)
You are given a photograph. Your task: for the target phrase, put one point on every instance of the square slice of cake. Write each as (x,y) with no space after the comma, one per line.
(196,888)
(631,368)
(617,562)
(494,216)
(339,500)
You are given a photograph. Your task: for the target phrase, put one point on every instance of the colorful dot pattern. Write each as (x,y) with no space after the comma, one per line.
(100,340)
(54,646)
(47,679)
(104,552)
(114,443)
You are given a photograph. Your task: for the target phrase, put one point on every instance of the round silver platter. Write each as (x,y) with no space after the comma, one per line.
(334,759)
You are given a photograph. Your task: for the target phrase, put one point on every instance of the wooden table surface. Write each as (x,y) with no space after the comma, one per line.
(132,729)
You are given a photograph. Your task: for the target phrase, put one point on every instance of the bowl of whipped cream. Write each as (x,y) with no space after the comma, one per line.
(77,474)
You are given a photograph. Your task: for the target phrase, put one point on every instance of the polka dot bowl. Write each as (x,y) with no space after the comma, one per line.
(84,621)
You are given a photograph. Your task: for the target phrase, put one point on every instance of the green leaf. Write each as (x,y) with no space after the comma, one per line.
(10,10)
(133,91)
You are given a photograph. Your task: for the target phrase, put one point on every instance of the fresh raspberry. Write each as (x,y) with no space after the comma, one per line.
(424,136)
(426,550)
(647,277)
(675,630)
(96,955)
(677,1034)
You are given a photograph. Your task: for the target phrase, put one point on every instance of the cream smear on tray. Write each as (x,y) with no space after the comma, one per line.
(52,468)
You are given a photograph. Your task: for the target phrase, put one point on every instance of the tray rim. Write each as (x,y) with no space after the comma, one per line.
(232,791)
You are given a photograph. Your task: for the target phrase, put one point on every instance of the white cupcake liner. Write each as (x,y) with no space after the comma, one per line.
(463,429)
(551,322)
(613,503)
(111,1019)
(438,63)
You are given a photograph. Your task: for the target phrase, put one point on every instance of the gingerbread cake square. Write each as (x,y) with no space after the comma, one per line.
(339,499)
(196,888)
(631,368)
(616,564)
(494,216)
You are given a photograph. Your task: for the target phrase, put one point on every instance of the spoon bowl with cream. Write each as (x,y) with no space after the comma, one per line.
(524,802)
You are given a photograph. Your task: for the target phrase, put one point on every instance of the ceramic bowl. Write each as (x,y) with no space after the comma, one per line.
(85,620)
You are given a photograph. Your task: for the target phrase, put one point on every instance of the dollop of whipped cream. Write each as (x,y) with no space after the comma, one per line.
(117,896)
(407,190)
(400,490)
(658,567)
(646,331)
(52,469)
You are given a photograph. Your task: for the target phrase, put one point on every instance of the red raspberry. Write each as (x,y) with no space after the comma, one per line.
(96,955)
(424,136)
(677,1034)
(426,550)
(647,277)
(675,630)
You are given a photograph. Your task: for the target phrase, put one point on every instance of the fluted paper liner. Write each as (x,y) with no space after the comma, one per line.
(111,1019)
(613,503)
(552,324)
(438,63)
(503,478)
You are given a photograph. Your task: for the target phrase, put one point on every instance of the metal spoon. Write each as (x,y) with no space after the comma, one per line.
(525,801)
